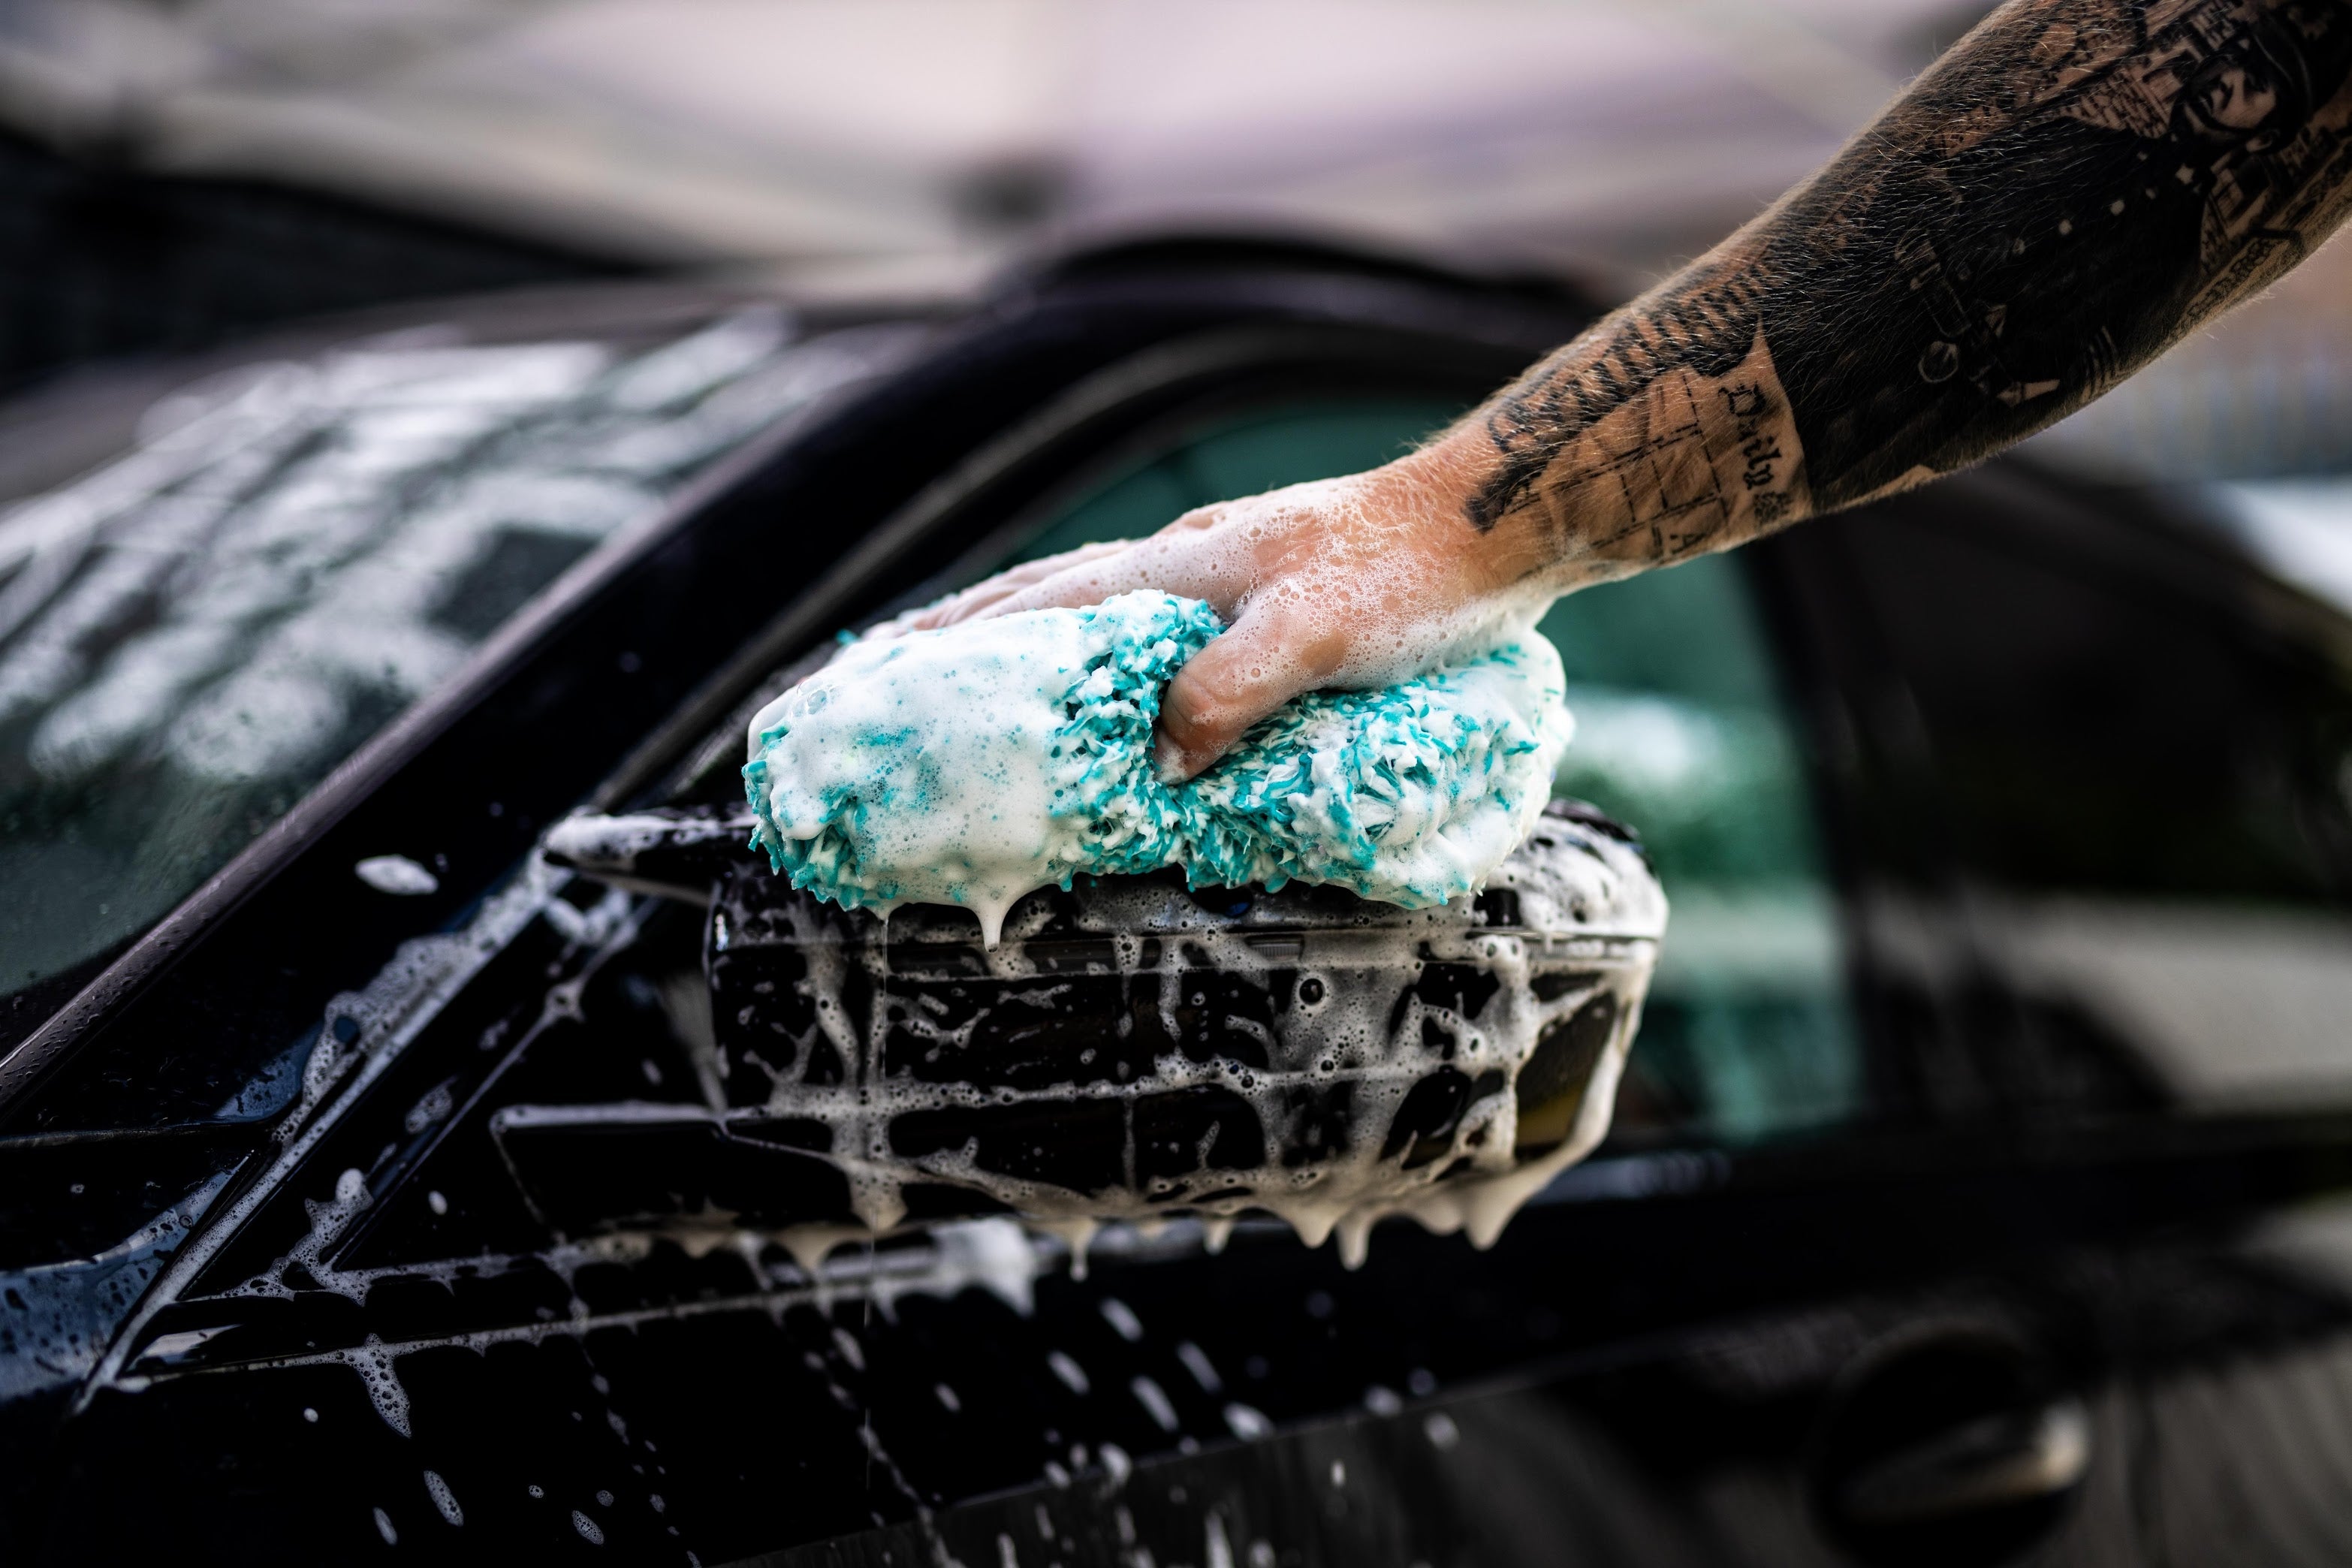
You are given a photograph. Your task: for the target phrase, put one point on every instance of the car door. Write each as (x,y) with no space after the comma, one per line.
(2141,749)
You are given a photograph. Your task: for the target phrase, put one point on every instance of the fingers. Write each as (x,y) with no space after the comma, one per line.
(970,602)
(1170,562)
(1008,590)
(1074,579)
(1200,516)
(1264,660)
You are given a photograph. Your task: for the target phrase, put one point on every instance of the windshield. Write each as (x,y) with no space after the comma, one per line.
(192,636)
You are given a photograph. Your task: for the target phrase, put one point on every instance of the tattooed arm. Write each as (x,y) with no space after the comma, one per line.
(2074,187)
(2077,184)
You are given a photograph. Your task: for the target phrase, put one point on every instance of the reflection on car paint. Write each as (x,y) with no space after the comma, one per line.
(61,1316)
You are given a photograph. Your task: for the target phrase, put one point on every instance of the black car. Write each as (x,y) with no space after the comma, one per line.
(1978,1190)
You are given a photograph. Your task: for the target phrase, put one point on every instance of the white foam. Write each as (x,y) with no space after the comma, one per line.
(1590,913)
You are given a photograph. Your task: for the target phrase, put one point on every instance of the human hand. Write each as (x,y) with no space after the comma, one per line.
(1352,582)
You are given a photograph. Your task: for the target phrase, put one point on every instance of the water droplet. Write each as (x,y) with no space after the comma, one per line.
(443,1499)
(1121,1317)
(1068,1371)
(1246,1423)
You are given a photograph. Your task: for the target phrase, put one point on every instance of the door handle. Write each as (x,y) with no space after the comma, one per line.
(1949,1445)
(1994,1461)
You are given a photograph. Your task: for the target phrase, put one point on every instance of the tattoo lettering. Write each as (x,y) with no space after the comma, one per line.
(1668,470)
(1748,406)
(2078,183)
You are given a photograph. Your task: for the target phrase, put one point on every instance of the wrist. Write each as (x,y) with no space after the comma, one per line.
(1451,473)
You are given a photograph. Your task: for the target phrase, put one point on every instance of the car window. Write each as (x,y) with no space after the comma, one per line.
(1682,733)
(2151,792)
(193,635)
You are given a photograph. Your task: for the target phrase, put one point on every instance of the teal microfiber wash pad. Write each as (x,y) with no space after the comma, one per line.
(973,765)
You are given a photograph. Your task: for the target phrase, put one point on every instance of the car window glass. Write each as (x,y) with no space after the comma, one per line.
(1682,733)
(2152,798)
(1682,730)
(192,636)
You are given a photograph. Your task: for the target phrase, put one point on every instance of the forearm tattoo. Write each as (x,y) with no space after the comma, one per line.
(2075,185)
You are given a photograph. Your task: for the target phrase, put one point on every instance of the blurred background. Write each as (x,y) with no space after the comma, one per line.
(332,331)
(859,139)
(178,172)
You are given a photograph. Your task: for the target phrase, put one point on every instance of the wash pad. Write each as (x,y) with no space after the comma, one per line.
(973,765)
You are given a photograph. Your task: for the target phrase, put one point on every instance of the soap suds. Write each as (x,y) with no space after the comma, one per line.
(973,765)
(1311,1056)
